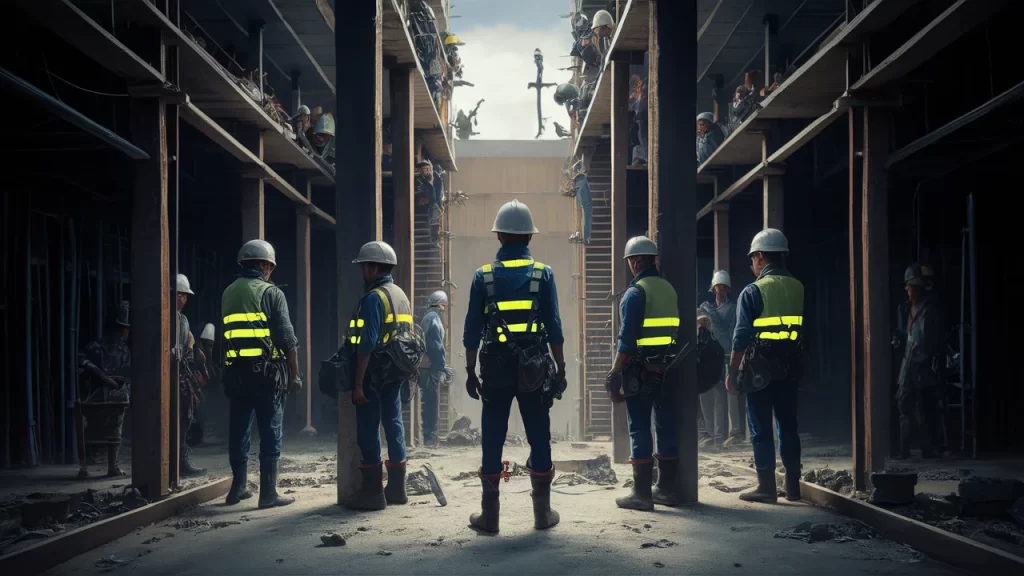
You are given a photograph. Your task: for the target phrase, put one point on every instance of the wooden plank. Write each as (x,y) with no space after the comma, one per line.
(809,133)
(945,29)
(212,130)
(151,308)
(598,115)
(53,551)
(634,31)
(620,158)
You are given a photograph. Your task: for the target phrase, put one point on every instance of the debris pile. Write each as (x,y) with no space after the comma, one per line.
(416,484)
(297,482)
(462,433)
(835,480)
(838,533)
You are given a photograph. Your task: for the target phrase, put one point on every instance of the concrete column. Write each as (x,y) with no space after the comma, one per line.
(252,199)
(771,47)
(856,310)
(620,273)
(721,221)
(256,52)
(773,201)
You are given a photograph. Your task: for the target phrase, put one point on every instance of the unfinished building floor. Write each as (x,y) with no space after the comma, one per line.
(718,536)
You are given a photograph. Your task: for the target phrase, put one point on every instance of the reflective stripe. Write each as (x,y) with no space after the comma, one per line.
(245,317)
(778,335)
(355,339)
(245,353)
(518,328)
(655,341)
(402,319)
(352,323)
(247,333)
(661,322)
(513,305)
(779,321)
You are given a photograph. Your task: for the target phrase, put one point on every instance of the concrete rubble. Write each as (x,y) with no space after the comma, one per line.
(835,480)
(838,533)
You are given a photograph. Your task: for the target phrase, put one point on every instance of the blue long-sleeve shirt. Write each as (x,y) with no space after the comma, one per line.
(631,310)
(433,334)
(371,312)
(507,283)
(750,306)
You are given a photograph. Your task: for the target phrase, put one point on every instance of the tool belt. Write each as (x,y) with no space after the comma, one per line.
(640,378)
(398,358)
(767,361)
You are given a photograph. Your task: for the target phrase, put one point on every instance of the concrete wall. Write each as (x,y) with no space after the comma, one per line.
(528,171)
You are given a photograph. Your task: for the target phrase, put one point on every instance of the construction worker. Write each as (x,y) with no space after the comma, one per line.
(603,24)
(765,362)
(381,313)
(920,332)
(513,308)
(184,354)
(709,136)
(433,367)
(568,95)
(649,314)
(723,323)
(261,366)
(107,365)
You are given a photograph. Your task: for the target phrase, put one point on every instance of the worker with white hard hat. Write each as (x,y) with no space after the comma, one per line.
(185,353)
(603,23)
(709,136)
(764,363)
(513,310)
(719,408)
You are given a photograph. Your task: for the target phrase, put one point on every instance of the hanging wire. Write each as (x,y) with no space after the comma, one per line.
(51,76)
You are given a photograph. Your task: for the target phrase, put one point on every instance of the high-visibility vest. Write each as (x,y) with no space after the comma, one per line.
(391,320)
(782,315)
(661,313)
(246,324)
(520,315)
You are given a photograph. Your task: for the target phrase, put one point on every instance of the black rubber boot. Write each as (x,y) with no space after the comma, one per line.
(792,485)
(394,492)
(268,487)
(487,519)
(543,515)
(239,485)
(665,491)
(371,493)
(113,469)
(640,497)
(766,490)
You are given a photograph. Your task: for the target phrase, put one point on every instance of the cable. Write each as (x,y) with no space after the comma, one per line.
(73,85)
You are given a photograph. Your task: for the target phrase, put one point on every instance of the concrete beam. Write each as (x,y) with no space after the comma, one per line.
(620,159)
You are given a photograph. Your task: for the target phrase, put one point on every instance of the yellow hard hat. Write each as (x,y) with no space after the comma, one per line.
(453,39)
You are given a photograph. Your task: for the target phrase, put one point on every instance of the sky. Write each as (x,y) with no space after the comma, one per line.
(500,38)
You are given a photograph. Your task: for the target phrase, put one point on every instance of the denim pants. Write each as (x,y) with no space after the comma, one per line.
(585,200)
(638,414)
(384,406)
(269,415)
(497,404)
(779,397)
(429,394)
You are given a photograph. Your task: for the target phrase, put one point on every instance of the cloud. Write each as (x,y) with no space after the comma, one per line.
(498,59)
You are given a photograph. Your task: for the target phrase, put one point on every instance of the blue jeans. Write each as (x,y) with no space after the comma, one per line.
(497,404)
(781,397)
(269,414)
(384,406)
(638,414)
(585,200)
(429,393)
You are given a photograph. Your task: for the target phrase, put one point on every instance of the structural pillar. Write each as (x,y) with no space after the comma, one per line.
(302,314)
(856,311)
(721,221)
(771,47)
(357,197)
(252,198)
(620,273)
(674,52)
(150,306)
(256,53)
(773,201)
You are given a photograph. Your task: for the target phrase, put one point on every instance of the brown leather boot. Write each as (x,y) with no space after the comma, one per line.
(543,516)
(394,492)
(487,519)
(640,495)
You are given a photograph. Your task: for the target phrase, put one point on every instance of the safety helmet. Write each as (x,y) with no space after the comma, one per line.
(452,39)
(566,92)
(707,117)
(914,276)
(641,246)
(208,332)
(702,313)
(257,250)
(769,240)
(123,314)
(721,277)
(437,297)
(514,218)
(183,285)
(377,252)
(302,110)
(602,18)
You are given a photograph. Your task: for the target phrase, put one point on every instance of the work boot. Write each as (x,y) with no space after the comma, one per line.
(487,519)
(705,441)
(640,496)
(394,492)
(112,457)
(370,495)
(734,440)
(766,490)
(186,468)
(268,487)
(239,484)
(543,515)
(792,484)
(665,491)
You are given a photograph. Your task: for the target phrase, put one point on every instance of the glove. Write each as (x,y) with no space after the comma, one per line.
(473,385)
(295,385)
(614,385)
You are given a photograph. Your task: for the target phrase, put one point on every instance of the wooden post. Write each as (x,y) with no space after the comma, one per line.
(402,121)
(653,114)
(856,322)
(357,197)
(875,242)
(302,315)
(151,311)
(252,199)
(620,158)
(675,33)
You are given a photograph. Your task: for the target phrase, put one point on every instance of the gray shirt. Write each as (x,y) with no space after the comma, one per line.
(723,322)
(282,333)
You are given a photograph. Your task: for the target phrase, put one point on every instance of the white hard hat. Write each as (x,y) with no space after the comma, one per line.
(438,297)
(376,252)
(603,18)
(640,246)
(707,117)
(257,250)
(769,240)
(514,218)
(721,277)
(182,285)
(208,332)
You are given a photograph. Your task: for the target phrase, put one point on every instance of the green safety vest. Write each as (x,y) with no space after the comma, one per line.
(783,310)
(402,314)
(661,312)
(519,316)
(246,327)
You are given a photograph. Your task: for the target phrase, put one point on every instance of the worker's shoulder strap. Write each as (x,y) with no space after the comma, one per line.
(385,300)
(536,276)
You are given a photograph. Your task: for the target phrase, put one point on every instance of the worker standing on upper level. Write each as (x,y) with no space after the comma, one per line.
(649,315)
(434,366)
(765,362)
(380,331)
(261,365)
(513,307)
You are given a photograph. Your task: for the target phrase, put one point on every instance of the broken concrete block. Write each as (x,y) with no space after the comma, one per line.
(893,488)
(48,510)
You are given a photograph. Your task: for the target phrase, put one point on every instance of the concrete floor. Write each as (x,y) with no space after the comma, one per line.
(720,535)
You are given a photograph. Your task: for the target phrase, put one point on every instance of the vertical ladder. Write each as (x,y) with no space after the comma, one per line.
(598,304)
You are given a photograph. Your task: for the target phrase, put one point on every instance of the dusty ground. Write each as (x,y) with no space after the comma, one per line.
(719,535)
